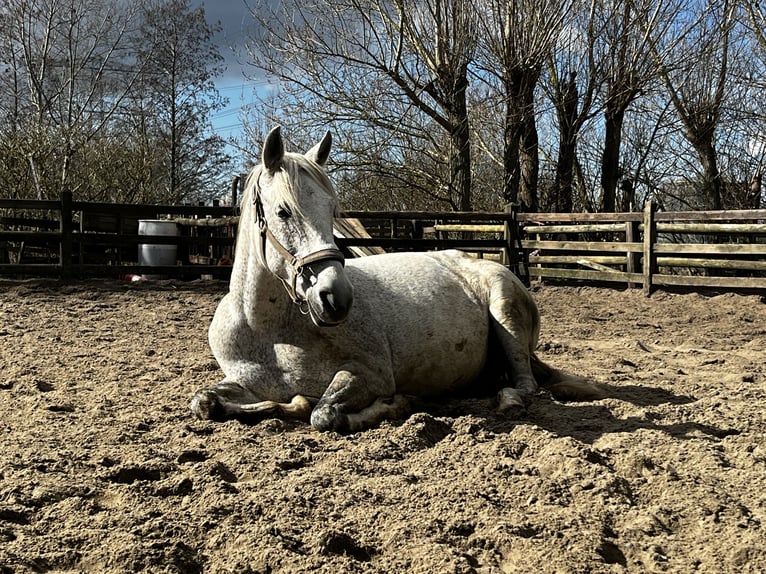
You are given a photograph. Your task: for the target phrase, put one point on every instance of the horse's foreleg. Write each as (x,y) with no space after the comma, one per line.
(228,400)
(298,408)
(353,402)
(395,407)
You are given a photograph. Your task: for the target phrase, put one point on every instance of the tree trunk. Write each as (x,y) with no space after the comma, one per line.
(562,200)
(756,185)
(530,162)
(628,199)
(460,145)
(713,186)
(563,185)
(610,159)
(511,138)
(520,146)
(174,149)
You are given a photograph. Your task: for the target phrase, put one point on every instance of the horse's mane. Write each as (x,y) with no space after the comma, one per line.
(293,166)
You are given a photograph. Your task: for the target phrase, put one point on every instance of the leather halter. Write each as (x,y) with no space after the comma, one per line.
(297,263)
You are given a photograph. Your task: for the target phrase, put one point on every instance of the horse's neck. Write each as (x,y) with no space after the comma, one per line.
(263,298)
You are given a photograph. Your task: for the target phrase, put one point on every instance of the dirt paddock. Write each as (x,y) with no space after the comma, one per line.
(102,468)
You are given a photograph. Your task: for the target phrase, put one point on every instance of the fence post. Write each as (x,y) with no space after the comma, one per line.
(514,256)
(234,191)
(650,238)
(65,227)
(633,258)
(507,255)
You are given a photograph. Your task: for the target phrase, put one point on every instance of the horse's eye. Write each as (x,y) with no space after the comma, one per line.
(284,214)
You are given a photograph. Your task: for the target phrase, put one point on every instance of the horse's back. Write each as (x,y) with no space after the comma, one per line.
(434,309)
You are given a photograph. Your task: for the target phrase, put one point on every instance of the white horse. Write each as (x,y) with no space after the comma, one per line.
(304,334)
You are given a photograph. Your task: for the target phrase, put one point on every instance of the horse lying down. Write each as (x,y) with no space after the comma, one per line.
(304,334)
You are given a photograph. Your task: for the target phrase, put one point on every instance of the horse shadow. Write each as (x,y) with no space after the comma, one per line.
(585,422)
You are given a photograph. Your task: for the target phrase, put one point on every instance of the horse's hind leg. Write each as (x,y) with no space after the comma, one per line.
(515,321)
(514,398)
(228,400)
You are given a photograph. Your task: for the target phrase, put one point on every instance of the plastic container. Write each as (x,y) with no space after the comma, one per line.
(157,255)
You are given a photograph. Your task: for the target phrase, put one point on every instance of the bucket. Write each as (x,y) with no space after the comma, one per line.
(156,255)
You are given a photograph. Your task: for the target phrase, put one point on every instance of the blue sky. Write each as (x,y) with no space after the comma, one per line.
(236,25)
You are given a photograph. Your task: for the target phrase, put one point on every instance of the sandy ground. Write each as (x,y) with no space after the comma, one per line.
(102,468)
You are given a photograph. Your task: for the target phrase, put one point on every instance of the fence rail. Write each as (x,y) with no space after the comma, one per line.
(715,249)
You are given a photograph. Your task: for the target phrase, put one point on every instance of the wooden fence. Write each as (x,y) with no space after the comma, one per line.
(708,249)
(77,239)
(697,249)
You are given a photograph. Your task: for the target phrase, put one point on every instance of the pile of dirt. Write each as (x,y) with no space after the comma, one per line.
(103,469)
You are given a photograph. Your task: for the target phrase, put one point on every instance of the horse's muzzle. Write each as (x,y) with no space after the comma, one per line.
(330,298)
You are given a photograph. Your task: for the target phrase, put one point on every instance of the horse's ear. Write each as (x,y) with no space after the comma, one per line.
(320,152)
(273,149)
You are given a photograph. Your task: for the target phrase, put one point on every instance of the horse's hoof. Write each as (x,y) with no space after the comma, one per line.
(206,405)
(511,403)
(514,412)
(329,418)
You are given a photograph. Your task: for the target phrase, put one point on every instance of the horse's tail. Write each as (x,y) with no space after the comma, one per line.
(563,386)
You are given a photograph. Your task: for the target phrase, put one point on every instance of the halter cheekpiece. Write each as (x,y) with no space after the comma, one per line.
(297,263)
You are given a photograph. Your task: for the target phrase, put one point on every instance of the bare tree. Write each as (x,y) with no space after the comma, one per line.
(171,109)
(629,69)
(395,73)
(694,66)
(575,76)
(518,38)
(68,54)
(756,30)
(81,100)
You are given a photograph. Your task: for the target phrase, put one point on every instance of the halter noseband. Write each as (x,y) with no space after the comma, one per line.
(297,263)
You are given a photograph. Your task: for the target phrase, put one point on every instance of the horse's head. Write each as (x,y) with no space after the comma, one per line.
(295,205)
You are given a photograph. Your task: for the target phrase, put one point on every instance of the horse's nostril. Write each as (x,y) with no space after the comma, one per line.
(328,299)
